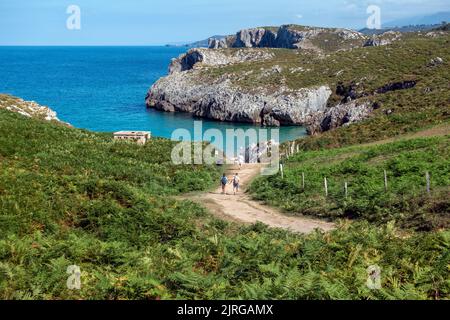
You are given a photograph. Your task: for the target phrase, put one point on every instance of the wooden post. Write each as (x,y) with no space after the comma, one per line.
(303,180)
(385,181)
(326,186)
(281,170)
(427,176)
(346,189)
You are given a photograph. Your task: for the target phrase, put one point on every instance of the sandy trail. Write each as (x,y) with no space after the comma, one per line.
(242,208)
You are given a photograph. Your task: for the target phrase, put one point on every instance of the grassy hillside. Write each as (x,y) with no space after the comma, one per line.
(362,167)
(367,71)
(61,187)
(70,196)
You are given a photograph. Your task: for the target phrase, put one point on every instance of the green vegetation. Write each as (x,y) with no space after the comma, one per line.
(270,28)
(406,200)
(327,41)
(69,196)
(63,185)
(372,66)
(73,197)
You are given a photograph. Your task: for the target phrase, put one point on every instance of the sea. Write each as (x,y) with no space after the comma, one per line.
(103,88)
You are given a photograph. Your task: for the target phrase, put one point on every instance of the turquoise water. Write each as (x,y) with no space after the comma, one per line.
(101,88)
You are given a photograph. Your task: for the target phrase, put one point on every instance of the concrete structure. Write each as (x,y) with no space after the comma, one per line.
(140,137)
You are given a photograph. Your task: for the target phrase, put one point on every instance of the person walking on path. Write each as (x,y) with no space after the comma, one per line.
(240,161)
(236,181)
(224,182)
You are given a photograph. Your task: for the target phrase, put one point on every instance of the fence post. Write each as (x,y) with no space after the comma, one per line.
(326,186)
(427,176)
(281,170)
(385,181)
(346,189)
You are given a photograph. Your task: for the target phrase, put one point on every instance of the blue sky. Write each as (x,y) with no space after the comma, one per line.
(152,22)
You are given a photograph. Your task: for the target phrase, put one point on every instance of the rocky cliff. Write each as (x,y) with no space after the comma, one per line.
(286,36)
(183,91)
(28,109)
(222,101)
(319,78)
(198,58)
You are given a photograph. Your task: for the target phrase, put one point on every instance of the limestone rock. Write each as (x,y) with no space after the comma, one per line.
(182,92)
(29,109)
(383,39)
(286,36)
(342,114)
(205,57)
(189,89)
(436,62)
(214,43)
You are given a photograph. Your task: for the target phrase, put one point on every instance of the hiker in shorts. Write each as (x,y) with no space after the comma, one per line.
(236,181)
(224,182)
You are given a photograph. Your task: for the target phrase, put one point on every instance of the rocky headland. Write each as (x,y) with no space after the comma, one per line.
(291,75)
(29,109)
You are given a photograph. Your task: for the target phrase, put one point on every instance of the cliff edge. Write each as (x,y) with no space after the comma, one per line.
(29,109)
(316,77)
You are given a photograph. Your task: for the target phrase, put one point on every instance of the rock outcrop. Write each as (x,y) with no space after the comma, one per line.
(383,39)
(342,114)
(200,83)
(287,36)
(214,43)
(28,109)
(222,101)
(186,89)
(394,86)
(206,57)
(355,106)
(254,38)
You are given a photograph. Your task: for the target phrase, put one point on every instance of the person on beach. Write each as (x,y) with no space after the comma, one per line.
(236,181)
(224,182)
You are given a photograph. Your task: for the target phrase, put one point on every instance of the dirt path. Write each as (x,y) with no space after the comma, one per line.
(242,208)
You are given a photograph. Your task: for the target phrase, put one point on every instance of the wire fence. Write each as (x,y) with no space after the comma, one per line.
(292,148)
(346,185)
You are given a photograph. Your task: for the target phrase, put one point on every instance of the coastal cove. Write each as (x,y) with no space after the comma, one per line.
(102,88)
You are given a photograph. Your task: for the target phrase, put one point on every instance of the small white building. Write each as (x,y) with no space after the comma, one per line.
(139,137)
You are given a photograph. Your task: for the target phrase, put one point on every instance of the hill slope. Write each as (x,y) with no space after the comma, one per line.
(406,201)
(73,197)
